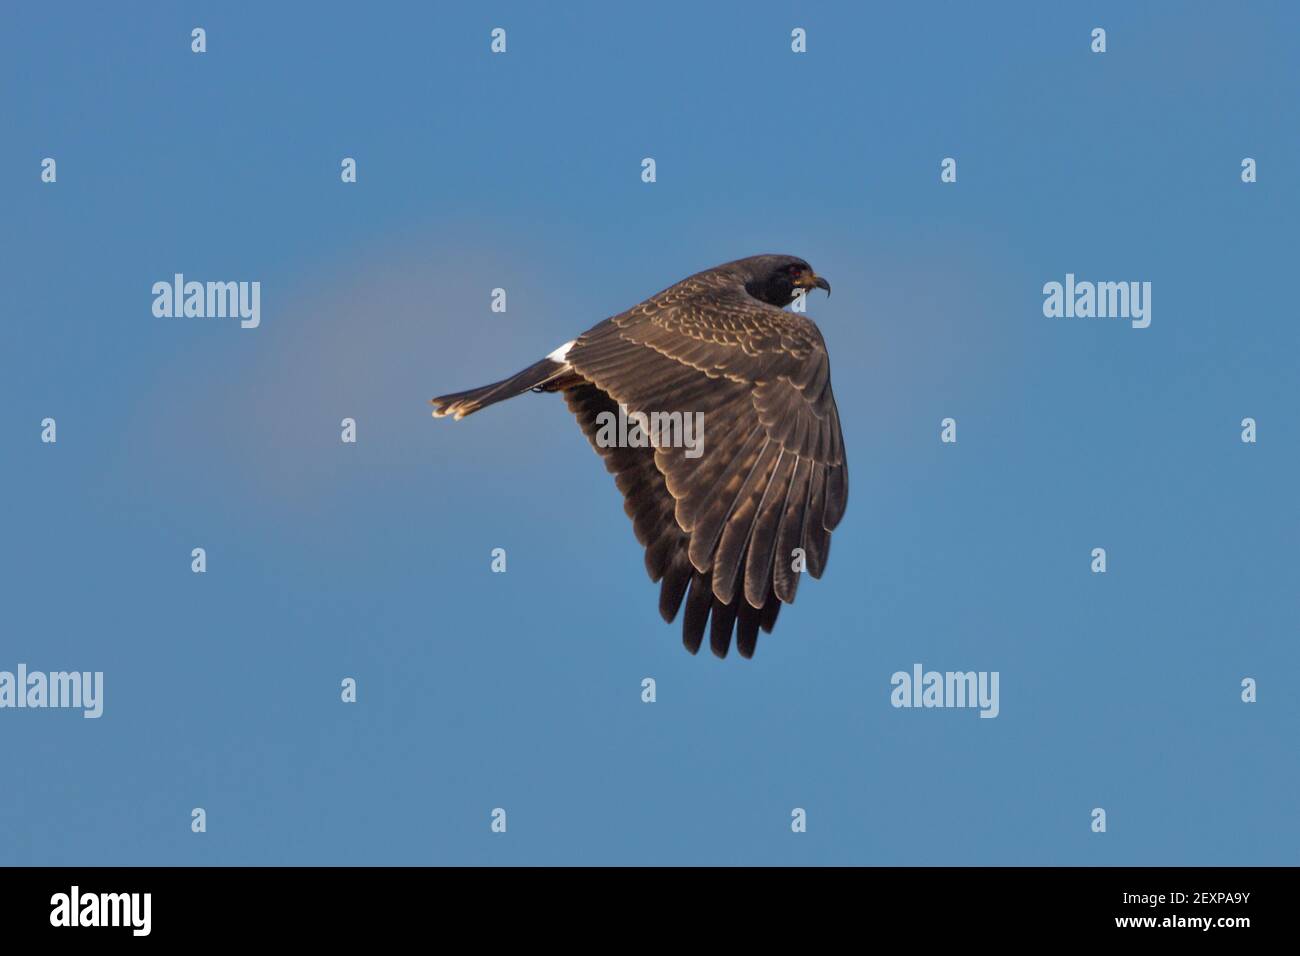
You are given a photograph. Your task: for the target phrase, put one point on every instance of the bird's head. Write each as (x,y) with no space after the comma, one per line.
(776,280)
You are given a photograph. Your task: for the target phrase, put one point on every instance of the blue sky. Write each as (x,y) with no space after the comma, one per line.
(522,690)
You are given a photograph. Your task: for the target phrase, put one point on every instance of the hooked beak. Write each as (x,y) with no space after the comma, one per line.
(810,280)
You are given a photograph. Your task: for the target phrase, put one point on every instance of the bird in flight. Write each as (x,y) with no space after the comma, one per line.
(730,529)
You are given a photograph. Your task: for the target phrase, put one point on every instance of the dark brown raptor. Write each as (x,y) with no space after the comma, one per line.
(729,529)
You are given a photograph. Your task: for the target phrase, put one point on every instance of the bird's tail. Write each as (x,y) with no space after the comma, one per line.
(547,372)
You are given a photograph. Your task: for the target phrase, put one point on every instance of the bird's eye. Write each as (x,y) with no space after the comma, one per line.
(795,270)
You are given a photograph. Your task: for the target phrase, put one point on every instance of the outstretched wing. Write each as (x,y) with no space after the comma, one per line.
(771,477)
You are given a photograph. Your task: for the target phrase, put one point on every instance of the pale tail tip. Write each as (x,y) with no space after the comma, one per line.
(456,410)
